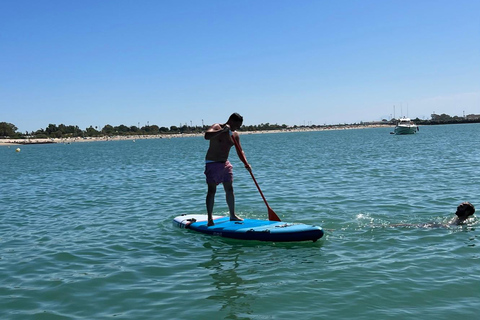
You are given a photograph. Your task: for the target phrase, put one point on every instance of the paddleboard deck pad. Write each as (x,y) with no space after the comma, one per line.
(250,229)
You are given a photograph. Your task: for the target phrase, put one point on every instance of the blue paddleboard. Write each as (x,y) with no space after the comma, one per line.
(250,229)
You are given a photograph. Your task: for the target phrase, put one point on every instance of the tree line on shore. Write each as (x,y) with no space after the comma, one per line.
(9,130)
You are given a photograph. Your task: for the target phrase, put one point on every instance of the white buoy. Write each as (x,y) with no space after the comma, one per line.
(17,150)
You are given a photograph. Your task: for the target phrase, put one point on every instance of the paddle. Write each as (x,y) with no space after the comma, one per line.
(272,216)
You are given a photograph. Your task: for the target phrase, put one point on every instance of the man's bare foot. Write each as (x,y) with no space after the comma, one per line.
(234,217)
(210,223)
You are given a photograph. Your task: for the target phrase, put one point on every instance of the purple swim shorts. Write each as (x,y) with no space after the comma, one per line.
(219,172)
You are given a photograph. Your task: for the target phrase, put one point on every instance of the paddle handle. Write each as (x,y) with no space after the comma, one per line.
(272,216)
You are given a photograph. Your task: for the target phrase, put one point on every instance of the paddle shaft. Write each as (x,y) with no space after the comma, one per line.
(259,190)
(272,216)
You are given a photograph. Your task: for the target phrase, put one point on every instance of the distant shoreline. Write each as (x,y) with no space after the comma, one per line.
(32,141)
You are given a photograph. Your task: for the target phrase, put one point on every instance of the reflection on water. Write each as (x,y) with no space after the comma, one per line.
(248,276)
(231,288)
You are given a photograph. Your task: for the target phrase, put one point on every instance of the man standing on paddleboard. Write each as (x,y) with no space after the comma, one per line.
(217,167)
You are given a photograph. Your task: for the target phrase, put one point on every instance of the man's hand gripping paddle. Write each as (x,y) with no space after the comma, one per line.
(272,216)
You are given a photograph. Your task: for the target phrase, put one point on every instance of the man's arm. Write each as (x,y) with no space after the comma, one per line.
(240,153)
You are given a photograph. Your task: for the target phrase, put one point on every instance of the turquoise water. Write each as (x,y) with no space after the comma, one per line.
(86,229)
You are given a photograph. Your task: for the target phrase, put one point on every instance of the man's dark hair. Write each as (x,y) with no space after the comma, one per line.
(236,117)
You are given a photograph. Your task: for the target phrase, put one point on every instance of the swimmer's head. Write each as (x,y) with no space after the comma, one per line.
(464,210)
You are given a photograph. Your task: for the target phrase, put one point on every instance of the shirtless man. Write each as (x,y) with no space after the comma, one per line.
(217,167)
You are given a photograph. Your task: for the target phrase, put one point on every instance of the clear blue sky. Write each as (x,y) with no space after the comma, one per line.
(288,62)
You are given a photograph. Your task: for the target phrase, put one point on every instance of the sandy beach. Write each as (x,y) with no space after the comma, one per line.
(13,142)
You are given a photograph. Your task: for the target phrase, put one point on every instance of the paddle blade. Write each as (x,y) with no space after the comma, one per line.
(272,216)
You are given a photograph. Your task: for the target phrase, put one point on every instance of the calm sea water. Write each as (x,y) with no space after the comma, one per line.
(86,229)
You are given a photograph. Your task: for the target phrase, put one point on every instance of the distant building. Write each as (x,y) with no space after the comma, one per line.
(472,116)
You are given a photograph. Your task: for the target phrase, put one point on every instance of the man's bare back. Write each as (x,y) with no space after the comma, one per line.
(220,143)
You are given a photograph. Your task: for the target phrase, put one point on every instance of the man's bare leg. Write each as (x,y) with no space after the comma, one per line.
(210,201)
(228,186)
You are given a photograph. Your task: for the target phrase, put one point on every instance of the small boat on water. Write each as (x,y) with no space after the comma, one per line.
(405,126)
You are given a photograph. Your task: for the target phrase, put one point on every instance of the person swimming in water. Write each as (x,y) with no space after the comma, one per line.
(463,213)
